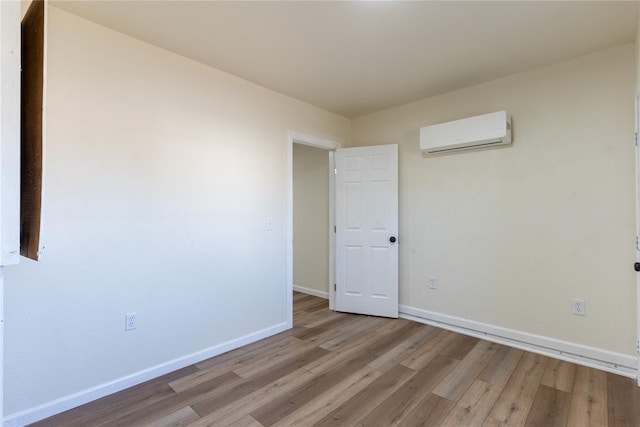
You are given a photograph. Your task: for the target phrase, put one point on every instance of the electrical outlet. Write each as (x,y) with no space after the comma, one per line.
(433,282)
(577,307)
(130,321)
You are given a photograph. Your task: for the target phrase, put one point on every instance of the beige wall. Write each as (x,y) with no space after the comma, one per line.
(161,175)
(513,234)
(311,218)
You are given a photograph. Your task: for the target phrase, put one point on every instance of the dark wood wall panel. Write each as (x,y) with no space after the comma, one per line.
(32,87)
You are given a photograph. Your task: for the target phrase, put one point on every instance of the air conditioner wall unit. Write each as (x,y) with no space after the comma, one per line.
(479,131)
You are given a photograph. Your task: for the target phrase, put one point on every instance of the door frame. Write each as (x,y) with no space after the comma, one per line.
(637,187)
(294,137)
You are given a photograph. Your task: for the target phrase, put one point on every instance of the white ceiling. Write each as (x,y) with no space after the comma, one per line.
(357,57)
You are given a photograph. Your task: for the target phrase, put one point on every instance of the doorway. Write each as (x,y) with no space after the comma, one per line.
(311,220)
(309,149)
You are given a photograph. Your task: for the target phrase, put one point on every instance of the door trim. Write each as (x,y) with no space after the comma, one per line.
(312,141)
(637,186)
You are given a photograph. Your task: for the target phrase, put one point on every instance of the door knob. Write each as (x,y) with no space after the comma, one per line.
(392,239)
(636,266)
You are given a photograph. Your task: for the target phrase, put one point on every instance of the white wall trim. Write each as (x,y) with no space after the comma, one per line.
(312,141)
(617,363)
(288,288)
(74,400)
(332,227)
(637,188)
(310,291)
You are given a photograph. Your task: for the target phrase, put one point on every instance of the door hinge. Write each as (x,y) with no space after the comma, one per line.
(635,139)
(637,244)
(335,230)
(335,287)
(335,171)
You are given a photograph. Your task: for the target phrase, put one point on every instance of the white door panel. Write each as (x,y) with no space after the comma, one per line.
(366,220)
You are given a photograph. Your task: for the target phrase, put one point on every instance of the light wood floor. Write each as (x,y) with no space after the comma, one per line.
(336,369)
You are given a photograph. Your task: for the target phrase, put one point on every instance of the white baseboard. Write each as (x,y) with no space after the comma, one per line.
(617,363)
(57,406)
(310,291)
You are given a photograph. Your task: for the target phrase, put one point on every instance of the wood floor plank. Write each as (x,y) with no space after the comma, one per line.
(404,349)
(430,411)
(301,296)
(179,418)
(281,407)
(550,408)
(310,304)
(233,354)
(500,368)
(315,410)
(401,402)
(623,401)
(559,375)
(354,409)
(473,407)
(311,320)
(460,347)
(241,407)
(354,347)
(331,330)
(356,334)
(233,364)
(248,386)
(319,305)
(492,422)
(149,413)
(267,361)
(588,406)
(430,350)
(466,372)
(514,403)
(246,421)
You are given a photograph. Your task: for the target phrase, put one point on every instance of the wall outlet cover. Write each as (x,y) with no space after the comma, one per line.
(578,307)
(130,321)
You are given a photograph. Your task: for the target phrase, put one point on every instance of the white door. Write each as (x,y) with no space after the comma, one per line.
(367,230)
